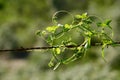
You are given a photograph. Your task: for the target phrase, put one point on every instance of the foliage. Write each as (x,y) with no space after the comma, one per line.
(35,14)
(84,25)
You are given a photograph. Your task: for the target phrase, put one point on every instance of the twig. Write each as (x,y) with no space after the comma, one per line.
(51,47)
(37,48)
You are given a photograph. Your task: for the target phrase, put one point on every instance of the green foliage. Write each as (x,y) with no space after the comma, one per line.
(82,24)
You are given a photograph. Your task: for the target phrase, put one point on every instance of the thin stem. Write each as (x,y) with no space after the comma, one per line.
(51,47)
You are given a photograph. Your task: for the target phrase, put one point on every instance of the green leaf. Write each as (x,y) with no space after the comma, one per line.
(84,15)
(41,33)
(78,16)
(51,29)
(67,27)
(107,22)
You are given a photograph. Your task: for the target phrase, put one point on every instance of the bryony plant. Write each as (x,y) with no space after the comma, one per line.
(85,26)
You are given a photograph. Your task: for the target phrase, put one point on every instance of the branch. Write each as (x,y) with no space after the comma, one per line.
(51,47)
(37,48)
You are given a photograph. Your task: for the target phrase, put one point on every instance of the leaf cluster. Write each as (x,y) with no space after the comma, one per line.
(83,23)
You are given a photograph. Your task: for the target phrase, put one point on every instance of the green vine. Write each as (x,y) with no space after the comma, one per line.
(84,25)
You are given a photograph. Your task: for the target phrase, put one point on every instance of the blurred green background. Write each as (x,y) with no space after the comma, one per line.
(19,20)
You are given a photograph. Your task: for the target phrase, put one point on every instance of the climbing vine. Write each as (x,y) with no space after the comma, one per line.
(85,25)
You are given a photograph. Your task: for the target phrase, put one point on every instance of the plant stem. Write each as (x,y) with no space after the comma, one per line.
(51,47)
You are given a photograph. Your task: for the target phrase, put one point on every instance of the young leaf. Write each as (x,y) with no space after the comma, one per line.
(52,29)
(84,15)
(107,22)
(78,16)
(41,33)
(67,27)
